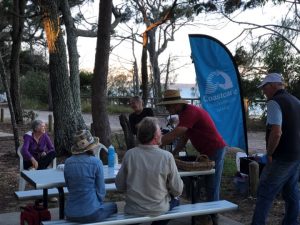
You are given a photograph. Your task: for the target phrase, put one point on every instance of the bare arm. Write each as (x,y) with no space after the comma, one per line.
(273,140)
(171,136)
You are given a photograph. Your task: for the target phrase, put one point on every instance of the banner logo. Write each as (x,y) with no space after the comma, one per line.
(217,79)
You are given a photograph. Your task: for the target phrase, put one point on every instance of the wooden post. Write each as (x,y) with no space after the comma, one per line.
(50,123)
(2,115)
(253,178)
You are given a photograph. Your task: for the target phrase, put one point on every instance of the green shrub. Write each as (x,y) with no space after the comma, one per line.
(31,103)
(117,109)
(34,86)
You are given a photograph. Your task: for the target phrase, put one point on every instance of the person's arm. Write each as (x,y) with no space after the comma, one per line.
(175,184)
(121,177)
(274,119)
(273,140)
(26,153)
(100,184)
(171,136)
(180,144)
(49,145)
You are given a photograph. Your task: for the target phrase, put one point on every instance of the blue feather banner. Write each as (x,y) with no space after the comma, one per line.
(219,84)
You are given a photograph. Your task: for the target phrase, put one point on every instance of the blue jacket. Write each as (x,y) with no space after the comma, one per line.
(85,181)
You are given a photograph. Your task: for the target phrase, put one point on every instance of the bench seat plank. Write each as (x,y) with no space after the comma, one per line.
(53,192)
(203,208)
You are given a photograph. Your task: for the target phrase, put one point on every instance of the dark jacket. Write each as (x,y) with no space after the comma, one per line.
(288,148)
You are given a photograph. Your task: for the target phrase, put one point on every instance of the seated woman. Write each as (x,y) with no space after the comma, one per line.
(85,181)
(38,151)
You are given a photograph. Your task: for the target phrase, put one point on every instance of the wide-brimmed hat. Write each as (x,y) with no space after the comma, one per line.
(271,78)
(172,97)
(84,141)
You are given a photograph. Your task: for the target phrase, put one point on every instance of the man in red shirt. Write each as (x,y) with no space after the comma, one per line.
(196,125)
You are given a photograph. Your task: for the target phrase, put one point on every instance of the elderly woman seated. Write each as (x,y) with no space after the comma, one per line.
(85,181)
(38,151)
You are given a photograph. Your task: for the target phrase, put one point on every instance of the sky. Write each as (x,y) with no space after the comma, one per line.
(180,48)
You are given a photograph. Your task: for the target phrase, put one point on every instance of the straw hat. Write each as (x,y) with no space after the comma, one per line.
(172,97)
(84,141)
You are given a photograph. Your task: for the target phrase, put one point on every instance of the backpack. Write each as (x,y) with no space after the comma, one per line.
(34,214)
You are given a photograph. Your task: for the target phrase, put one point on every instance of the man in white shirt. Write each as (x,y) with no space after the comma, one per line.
(149,175)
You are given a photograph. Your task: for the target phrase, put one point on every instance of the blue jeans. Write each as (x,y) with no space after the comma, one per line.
(213,182)
(100,214)
(278,176)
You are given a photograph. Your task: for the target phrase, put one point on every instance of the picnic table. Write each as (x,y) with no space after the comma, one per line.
(54,178)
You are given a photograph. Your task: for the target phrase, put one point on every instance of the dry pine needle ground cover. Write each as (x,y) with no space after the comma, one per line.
(9,175)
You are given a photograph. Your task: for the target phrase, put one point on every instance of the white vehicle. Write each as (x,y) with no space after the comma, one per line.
(3,97)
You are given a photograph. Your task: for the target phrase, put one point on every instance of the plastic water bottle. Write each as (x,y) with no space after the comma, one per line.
(116,158)
(111,156)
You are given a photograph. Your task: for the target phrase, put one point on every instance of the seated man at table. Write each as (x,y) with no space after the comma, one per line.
(148,175)
(85,181)
(37,150)
(139,112)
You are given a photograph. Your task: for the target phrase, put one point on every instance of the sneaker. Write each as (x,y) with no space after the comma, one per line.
(53,199)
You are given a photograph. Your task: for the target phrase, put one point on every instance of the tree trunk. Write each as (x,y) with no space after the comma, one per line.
(144,75)
(66,120)
(153,55)
(73,60)
(17,31)
(11,110)
(99,84)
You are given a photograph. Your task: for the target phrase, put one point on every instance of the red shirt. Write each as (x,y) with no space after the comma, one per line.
(202,131)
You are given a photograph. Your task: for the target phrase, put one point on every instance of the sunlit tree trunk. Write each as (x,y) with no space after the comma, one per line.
(66,118)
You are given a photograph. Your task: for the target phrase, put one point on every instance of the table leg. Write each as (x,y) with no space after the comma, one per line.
(193,195)
(61,198)
(45,198)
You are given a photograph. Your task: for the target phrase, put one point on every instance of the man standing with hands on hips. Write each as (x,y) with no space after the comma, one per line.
(196,125)
(281,172)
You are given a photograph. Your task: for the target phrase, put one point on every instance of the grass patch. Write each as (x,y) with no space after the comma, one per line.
(229,168)
(111,109)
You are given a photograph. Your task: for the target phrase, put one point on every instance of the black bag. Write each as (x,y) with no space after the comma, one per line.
(33,214)
(244,164)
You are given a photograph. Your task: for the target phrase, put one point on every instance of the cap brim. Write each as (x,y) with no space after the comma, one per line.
(173,102)
(261,84)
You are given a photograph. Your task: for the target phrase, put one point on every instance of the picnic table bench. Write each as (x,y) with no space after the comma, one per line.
(187,210)
(52,192)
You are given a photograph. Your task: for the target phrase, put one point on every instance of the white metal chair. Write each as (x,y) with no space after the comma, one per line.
(97,151)
(22,182)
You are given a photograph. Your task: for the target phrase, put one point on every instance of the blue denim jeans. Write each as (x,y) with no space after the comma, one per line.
(278,176)
(213,182)
(101,214)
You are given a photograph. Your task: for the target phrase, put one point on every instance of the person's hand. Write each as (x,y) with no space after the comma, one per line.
(35,164)
(43,154)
